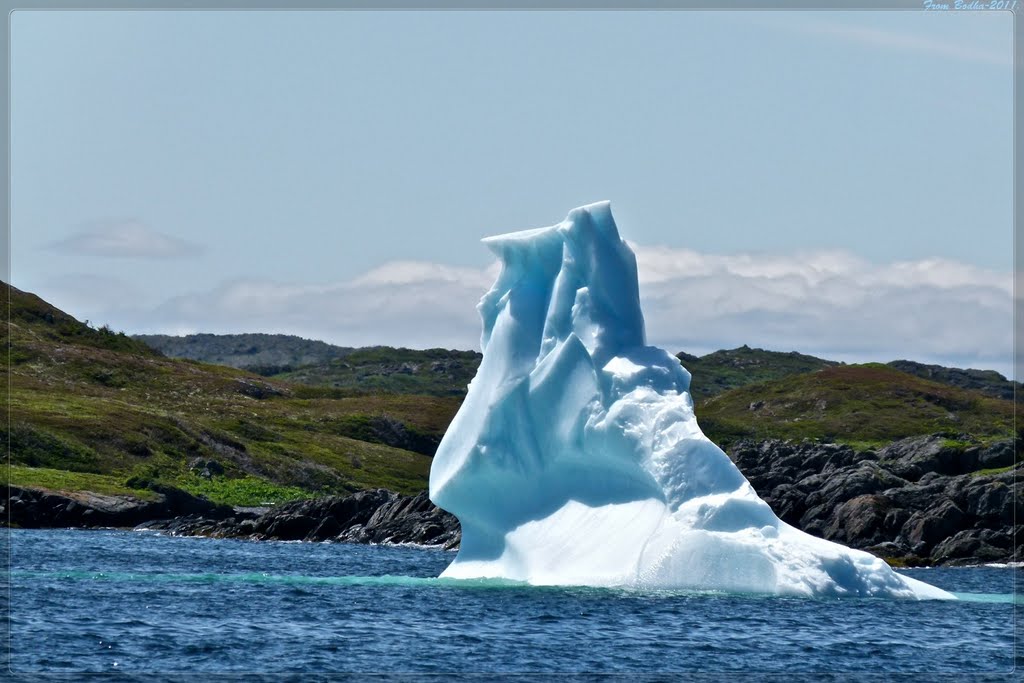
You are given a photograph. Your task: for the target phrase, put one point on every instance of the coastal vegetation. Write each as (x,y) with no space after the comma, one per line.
(93,409)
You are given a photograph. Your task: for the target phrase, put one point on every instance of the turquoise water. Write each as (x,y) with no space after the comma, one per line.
(101,601)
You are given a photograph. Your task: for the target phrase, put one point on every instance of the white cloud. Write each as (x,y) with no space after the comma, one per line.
(124,239)
(827,303)
(403,304)
(413,272)
(831,304)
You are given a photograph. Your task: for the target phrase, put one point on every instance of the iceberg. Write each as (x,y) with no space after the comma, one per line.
(576,458)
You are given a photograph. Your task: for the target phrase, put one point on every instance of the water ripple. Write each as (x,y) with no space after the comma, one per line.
(84,600)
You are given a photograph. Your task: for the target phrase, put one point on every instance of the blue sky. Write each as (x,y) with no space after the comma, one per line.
(836,183)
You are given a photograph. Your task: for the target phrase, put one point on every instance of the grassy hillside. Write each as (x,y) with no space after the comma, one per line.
(729,369)
(862,404)
(98,403)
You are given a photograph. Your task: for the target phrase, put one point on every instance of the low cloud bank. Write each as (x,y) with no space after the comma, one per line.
(827,303)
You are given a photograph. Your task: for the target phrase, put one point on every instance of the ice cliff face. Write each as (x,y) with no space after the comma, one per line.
(576,458)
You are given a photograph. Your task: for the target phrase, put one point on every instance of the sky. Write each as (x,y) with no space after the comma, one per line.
(835,183)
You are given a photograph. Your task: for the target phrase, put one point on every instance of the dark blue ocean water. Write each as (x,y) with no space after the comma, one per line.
(105,601)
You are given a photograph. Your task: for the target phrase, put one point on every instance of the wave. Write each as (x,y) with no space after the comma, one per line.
(406,582)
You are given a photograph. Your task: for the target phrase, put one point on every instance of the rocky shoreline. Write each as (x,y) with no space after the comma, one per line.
(373,516)
(927,500)
(920,501)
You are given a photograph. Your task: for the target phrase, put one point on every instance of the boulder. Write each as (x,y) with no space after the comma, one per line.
(925,529)
(40,508)
(912,458)
(967,547)
(860,522)
(989,500)
(866,477)
(999,454)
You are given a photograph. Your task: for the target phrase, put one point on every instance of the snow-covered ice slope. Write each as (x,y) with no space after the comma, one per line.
(576,458)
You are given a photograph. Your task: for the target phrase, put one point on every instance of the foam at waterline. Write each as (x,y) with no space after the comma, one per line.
(385,580)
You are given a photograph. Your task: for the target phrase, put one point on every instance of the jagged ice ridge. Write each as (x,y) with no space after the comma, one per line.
(576,458)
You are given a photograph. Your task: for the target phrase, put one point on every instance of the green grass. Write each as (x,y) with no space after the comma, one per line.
(65,481)
(40,448)
(992,471)
(246,491)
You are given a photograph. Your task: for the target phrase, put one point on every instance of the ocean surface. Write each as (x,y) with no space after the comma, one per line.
(103,601)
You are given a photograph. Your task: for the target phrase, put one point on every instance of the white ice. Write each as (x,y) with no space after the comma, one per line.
(576,458)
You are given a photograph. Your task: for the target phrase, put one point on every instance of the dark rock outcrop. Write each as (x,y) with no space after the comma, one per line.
(921,500)
(374,516)
(913,458)
(37,508)
(410,520)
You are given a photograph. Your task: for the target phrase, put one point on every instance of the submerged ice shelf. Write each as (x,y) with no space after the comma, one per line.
(576,458)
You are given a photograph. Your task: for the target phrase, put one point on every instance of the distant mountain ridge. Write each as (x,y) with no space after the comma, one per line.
(988,382)
(730,369)
(870,403)
(264,354)
(433,372)
(446,372)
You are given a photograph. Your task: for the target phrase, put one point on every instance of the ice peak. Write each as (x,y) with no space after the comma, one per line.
(580,277)
(596,216)
(585,222)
